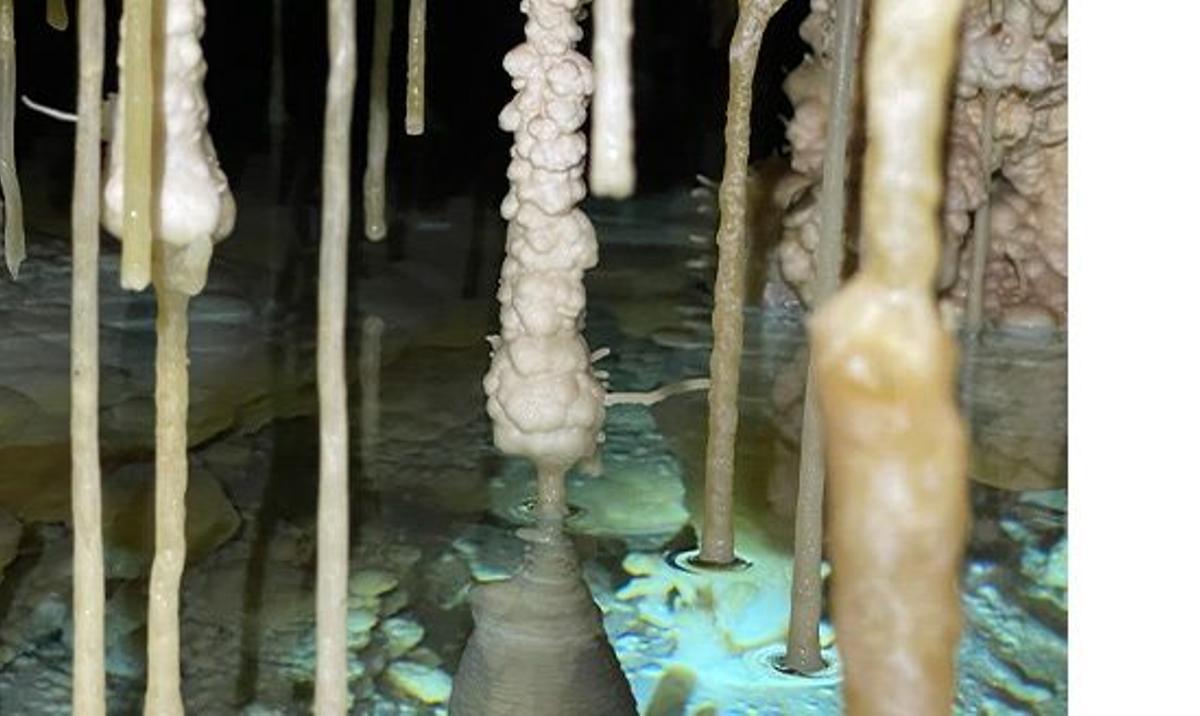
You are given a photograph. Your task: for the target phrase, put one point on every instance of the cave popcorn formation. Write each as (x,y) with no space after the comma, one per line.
(194,207)
(1016,50)
(543,397)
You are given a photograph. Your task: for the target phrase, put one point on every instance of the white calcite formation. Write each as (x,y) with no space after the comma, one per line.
(195,207)
(1017,50)
(1021,55)
(544,400)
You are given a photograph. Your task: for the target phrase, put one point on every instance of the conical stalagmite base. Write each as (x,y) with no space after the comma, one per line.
(539,647)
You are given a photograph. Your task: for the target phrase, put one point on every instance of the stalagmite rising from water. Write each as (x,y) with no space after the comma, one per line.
(544,400)
(804,645)
(885,372)
(414,117)
(716,543)
(333,508)
(611,170)
(87,659)
(14,221)
(192,209)
(375,180)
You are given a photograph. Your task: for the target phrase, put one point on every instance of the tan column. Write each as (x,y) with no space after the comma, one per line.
(333,506)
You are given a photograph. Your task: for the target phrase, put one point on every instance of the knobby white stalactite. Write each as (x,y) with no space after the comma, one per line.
(87,663)
(544,400)
(414,119)
(14,224)
(191,208)
(611,172)
(333,506)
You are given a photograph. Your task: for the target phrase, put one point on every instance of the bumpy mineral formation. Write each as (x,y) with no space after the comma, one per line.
(195,207)
(1018,51)
(544,400)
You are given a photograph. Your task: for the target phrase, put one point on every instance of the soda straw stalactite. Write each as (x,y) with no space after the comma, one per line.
(716,543)
(414,118)
(375,180)
(333,507)
(56,14)
(804,646)
(885,369)
(87,658)
(14,222)
(135,61)
(611,172)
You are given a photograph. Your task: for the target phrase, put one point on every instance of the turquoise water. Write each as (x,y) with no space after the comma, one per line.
(435,507)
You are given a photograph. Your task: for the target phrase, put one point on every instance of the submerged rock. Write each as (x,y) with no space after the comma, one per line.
(129,518)
(426,684)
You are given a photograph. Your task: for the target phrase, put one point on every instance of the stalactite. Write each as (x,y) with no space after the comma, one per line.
(885,371)
(544,400)
(804,645)
(87,658)
(56,14)
(375,180)
(14,222)
(135,140)
(611,172)
(538,648)
(333,520)
(716,543)
(414,118)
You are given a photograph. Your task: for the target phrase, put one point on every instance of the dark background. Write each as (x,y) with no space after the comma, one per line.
(680,90)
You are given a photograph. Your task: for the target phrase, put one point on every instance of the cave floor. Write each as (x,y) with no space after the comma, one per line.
(435,506)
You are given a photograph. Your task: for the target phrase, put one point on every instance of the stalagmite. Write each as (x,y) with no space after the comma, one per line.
(375,181)
(414,118)
(56,14)
(14,224)
(804,645)
(538,648)
(716,540)
(134,142)
(611,172)
(333,508)
(191,209)
(163,694)
(87,659)
(885,374)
